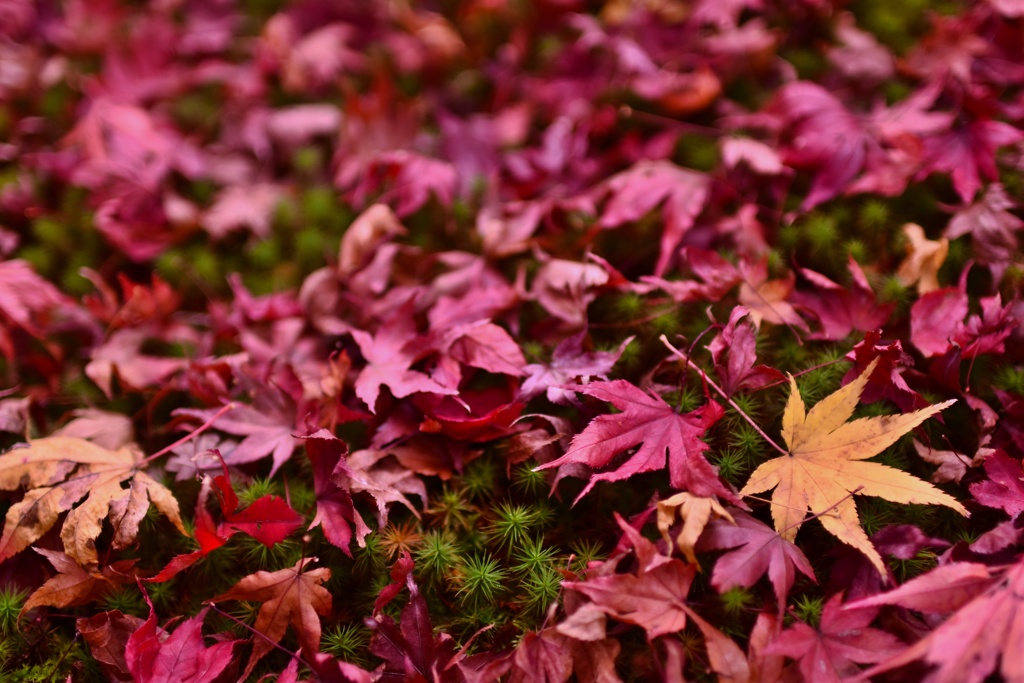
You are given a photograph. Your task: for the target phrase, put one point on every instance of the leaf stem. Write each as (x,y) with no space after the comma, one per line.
(193,434)
(294,655)
(676,352)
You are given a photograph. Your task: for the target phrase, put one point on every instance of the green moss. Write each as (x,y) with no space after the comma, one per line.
(481,580)
(348,642)
(807,608)
(438,552)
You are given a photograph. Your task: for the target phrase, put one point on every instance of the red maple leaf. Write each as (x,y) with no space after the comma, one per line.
(638,190)
(754,548)
(981,635)
(886,380)
(653,425)
(967,151)
(335,513)
(937,322)
(654,598)
(268,519)
(832,651)
(477,415)
(153,656)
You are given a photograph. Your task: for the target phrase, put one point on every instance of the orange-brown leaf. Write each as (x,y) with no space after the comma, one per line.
(60,471)
(293,596)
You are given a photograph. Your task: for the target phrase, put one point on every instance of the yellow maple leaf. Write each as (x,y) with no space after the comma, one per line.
(59,471)
(825,466)
(695,512)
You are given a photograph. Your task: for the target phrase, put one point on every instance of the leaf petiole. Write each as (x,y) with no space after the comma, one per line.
(679,354)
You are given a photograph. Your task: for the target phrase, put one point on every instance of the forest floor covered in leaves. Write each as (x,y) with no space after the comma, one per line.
(478,340)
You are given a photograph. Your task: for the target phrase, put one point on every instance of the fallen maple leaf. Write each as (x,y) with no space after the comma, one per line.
(695,513)
(107,633)
(568,362)
(984,632)
(268,519)
(654,598)
(923,260)
(653,425)
(839,309)
(734,352)
(754,548)
(61,470)
(637,190)
(824,468)
(833,650)
(153,656)
(74,585)
(1005,486)
(390,355)
(410,650)
(293,596)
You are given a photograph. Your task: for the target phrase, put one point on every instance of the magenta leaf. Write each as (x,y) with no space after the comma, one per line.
(659,431)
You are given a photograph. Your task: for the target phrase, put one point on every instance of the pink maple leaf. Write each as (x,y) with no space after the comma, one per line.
(27,302)
(967,151)
(242,206)
(985,333)
(993,229)
(654,598)
(979,638)
(935,316)
(569,363)
(390,354)
(1005,486)
(122,354)
(482,344)
(754,548)
(153,656)
(406,178)
(268,425)
(822,135)
(840,310)
(652,425)
(648,184)
(832,651)
(715,276)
